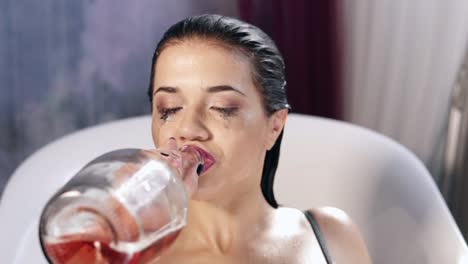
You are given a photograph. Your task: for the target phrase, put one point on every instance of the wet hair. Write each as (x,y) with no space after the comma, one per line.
(267,69)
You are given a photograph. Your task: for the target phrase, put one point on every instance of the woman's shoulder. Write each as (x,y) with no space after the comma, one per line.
(342,236)
(333,219)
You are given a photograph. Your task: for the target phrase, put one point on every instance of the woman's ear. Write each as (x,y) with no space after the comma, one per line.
(276,124)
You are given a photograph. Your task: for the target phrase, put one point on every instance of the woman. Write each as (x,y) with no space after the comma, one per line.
(218,83)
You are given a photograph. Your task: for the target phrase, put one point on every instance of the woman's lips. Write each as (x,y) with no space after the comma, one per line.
(207,158)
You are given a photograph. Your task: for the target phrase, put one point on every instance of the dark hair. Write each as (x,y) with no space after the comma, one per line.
(268,69)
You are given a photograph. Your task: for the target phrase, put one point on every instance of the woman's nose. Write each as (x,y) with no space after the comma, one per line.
(192,128)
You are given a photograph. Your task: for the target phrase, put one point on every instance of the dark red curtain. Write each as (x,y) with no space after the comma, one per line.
(308,34)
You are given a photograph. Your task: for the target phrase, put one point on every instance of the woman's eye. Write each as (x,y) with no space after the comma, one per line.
(226,111)
(165,113)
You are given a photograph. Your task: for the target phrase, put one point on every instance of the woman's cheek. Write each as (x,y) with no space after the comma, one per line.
(159,133)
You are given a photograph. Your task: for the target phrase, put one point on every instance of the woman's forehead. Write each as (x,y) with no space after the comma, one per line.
(202,64)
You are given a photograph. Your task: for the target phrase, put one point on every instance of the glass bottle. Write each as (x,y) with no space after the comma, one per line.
(125,206)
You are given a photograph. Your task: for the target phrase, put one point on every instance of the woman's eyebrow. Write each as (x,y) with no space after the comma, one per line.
(223,88)
(166,89)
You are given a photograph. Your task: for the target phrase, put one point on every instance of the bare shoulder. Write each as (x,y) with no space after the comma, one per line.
(334,222)
(342,236)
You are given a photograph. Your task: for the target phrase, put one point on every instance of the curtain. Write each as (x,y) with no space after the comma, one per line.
(308,34)
(401,61)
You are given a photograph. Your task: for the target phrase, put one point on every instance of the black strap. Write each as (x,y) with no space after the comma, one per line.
(310,217)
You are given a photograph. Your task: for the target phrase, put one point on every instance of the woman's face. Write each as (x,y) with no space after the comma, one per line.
(204,95)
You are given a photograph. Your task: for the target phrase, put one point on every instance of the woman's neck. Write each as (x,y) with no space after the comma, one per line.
(245,204)
(223,224)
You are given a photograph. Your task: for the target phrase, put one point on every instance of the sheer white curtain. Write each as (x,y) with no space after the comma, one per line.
(401,61)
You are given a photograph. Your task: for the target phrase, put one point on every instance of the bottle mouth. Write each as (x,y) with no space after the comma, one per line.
(204,158)
(200,169)
(192,158)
